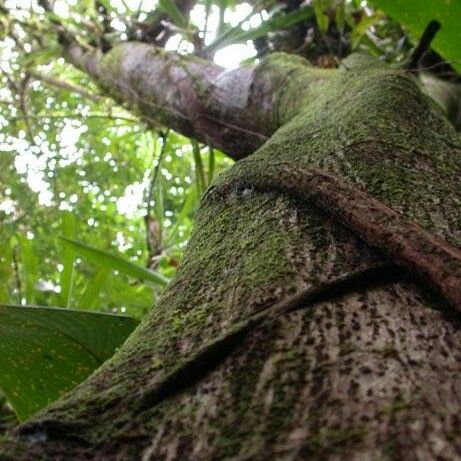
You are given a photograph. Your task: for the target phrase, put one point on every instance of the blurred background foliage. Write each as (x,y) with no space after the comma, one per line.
(75,164)
(90,175)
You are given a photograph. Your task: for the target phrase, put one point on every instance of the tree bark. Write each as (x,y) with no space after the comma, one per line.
(231,110)
(283,335)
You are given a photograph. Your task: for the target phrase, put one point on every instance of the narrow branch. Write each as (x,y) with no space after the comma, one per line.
(153,227)
(16,274)
(24,87)
(424,44)
(11,83)
(72,115)
(65,85)
(164,137)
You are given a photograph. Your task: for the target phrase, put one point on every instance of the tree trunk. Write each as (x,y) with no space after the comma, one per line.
(283,335)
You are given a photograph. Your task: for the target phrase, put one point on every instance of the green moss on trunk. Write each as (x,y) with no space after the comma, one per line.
(372,126)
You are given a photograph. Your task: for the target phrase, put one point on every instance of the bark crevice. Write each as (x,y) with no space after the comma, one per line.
(212,355)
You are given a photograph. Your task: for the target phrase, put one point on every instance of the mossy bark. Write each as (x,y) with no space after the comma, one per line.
(367,370)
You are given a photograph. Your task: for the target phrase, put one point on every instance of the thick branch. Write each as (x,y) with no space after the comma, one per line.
(232,110)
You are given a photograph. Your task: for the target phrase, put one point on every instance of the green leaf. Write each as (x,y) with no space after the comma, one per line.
(361,28)
(53,17)
(114,262)
(415,15)
(321,16)
(45,352)
(93,288)
(199,172)
(273,24)
(67,275)
(170,8)
(211,164)
(40,56)
(186,209)
(340,16)
(29,261)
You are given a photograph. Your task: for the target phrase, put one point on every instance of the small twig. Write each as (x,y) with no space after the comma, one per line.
(71,115)
(11,83)
(21,91)
(424,44)
(65,86)
(153,229)
(24,109)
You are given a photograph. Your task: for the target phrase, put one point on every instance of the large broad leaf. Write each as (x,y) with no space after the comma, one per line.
(93,288)
(44,352)
(114,262)
(415,15)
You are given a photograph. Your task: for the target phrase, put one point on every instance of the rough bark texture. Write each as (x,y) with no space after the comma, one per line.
(425,255)
(232,364)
